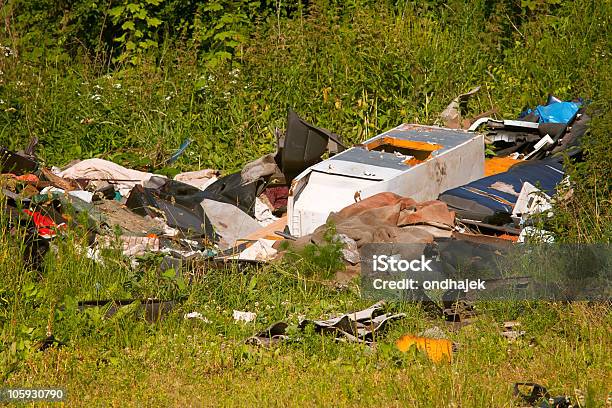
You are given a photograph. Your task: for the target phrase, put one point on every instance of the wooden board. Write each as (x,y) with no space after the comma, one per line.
(268,231)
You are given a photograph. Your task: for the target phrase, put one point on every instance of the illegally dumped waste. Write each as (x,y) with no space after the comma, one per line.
(410,160)
(361,326)
(527,169)
(197,213)
(303,145)
(451,116)
(271,336)
(492,199)
(152,310)
(437,349)
(555,111)
(16,163)
(387,217)
(98,171)
(383,190)
(512,331)
(196,316)
(245,317)
(537,395)
(357,327)
(413,184)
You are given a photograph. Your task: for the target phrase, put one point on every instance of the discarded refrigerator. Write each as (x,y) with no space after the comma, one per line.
(410,160)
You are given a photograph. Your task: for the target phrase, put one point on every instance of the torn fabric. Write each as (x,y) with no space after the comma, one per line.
(104,170)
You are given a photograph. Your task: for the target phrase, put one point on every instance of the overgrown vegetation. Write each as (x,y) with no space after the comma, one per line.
(224,73)
(123,360)
(129,80)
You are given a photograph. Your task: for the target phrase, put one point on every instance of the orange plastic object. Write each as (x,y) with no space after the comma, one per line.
(436,349)
(496,165)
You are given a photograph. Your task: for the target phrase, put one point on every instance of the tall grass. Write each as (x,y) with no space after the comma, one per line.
(355,72)
(123,360)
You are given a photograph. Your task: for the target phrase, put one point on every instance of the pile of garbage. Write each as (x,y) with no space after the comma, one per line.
(193,216)
(411,184)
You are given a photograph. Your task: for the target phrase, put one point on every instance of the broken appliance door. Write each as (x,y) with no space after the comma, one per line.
(303,145)
(410,160)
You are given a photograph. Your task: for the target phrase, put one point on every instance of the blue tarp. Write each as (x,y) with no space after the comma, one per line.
(559,112)
(555,111)
(480,200)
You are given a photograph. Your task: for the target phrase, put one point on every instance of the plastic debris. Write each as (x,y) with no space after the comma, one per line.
(261,250)
(200,178)
(241,316)
(438,350)
(195,315)
(511,331)
(451,116)
(98,170)
(383,190)
(358,327)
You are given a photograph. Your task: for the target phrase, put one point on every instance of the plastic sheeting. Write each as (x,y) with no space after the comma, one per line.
(560,112)
(555,111)
(479,200)
(230,222)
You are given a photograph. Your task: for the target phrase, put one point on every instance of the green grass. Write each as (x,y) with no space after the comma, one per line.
(125,361)
(356,73)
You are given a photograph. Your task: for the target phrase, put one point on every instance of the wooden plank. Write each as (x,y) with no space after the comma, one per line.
(268,231)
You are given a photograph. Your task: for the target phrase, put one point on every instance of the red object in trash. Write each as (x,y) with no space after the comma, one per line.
(277,196)
(45,226)
(30,178)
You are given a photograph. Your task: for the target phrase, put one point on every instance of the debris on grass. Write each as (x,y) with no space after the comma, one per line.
(218,213)
(537,395)
(246,317)
(358,327)
(196,316)
(270,336)
(411,184)
(511,331)
(437,349)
